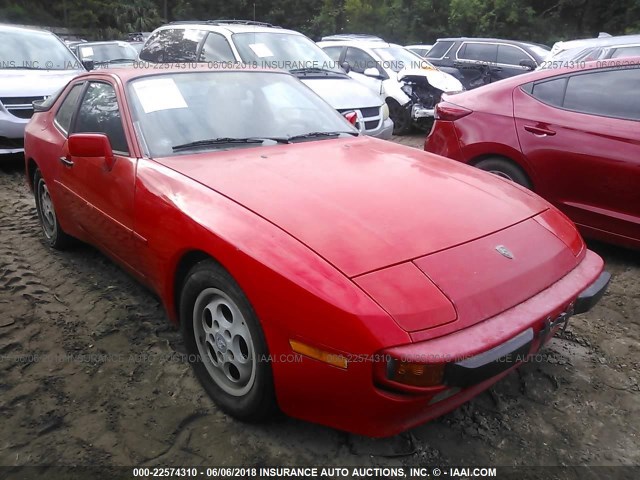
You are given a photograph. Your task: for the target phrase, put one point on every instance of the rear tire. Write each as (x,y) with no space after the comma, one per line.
(402,123)
(54,235)
(506,169)
(225,342)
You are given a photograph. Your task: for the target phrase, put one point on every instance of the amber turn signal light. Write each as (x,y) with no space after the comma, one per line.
(334,359)
(416,374)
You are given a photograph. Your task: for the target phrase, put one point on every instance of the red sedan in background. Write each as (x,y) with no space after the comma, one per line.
(570,135)
(346,280)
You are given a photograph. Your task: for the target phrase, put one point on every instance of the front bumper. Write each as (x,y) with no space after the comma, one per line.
(418,111)
(479,355)
(11,132)
(384,130)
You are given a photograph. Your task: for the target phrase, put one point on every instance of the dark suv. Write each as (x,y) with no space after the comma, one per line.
(478,61)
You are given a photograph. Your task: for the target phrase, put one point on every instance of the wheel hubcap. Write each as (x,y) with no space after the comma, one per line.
(224,342)
(47,213)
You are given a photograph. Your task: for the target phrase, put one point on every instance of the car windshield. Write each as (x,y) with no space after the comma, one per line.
(396,58)
(105,52)
(288,51)
(33,50)
(178,113)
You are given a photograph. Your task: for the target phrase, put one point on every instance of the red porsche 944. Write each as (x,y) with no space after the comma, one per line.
(343,279)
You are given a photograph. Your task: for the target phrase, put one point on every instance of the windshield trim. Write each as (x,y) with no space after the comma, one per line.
(139,134)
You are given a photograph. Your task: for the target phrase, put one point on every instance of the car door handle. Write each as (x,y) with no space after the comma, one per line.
(497,69)
(67,162)
(541,132)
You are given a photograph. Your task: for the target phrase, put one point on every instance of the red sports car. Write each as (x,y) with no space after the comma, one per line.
(346,280)
(571,135)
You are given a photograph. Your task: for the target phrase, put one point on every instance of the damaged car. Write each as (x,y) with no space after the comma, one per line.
(410,85)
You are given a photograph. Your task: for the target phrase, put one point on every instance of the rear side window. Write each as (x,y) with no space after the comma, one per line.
(172,45)
(216,48)
(481,52)
(591,93)
(509,55)
(626,52)
(333,52)
(359,60)
(550,92)
(440,49)
(65,112)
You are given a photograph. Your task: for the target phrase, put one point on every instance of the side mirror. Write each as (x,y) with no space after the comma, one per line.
(37,106)
(88,64)
(91,145)
(346,67)
(372,72)
(528,63)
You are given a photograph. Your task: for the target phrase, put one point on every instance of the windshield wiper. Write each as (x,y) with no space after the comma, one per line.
(320,135)
(116,60)
(211,142)
(306,70)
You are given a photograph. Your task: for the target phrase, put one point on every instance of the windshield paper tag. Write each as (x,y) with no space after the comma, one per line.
(261,50)
(159,94)
(86,51)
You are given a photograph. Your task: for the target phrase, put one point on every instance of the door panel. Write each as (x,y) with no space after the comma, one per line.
(589,166)
(107,215)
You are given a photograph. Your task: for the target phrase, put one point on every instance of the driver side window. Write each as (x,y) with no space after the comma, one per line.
(99,113)
(359,60)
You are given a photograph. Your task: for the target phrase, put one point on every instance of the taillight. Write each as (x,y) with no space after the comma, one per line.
(450,111)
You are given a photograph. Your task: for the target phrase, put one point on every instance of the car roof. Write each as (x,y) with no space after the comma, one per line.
(356,43)
(490,40)
(18,28)
(126,74)
(352,36)
(104,42)
(232,26)
(595,42)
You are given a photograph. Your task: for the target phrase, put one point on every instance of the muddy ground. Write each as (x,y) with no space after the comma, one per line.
(88,377)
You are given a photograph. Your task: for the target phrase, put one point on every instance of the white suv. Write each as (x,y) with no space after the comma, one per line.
(409,83)
(264,45)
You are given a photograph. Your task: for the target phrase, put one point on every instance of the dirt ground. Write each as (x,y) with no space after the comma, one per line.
(90,373)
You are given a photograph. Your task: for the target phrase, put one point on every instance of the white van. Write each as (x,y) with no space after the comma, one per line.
(264,45)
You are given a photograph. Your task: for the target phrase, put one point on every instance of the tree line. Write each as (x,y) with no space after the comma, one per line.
(400,21)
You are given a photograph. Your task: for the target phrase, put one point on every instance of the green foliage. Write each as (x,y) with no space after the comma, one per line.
(402,21)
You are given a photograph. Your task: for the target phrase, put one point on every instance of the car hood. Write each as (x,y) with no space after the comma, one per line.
(436,78)
(34,83)
(363,203)
(343,93)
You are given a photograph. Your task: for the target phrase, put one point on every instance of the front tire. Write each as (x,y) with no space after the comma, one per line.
(225,342)
(402,123)
(54,235)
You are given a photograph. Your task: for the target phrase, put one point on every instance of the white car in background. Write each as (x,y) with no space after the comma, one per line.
(34,64)
(421,50)
(264,45)
(410,84)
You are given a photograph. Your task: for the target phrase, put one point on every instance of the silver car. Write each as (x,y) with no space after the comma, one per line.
(33,65)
